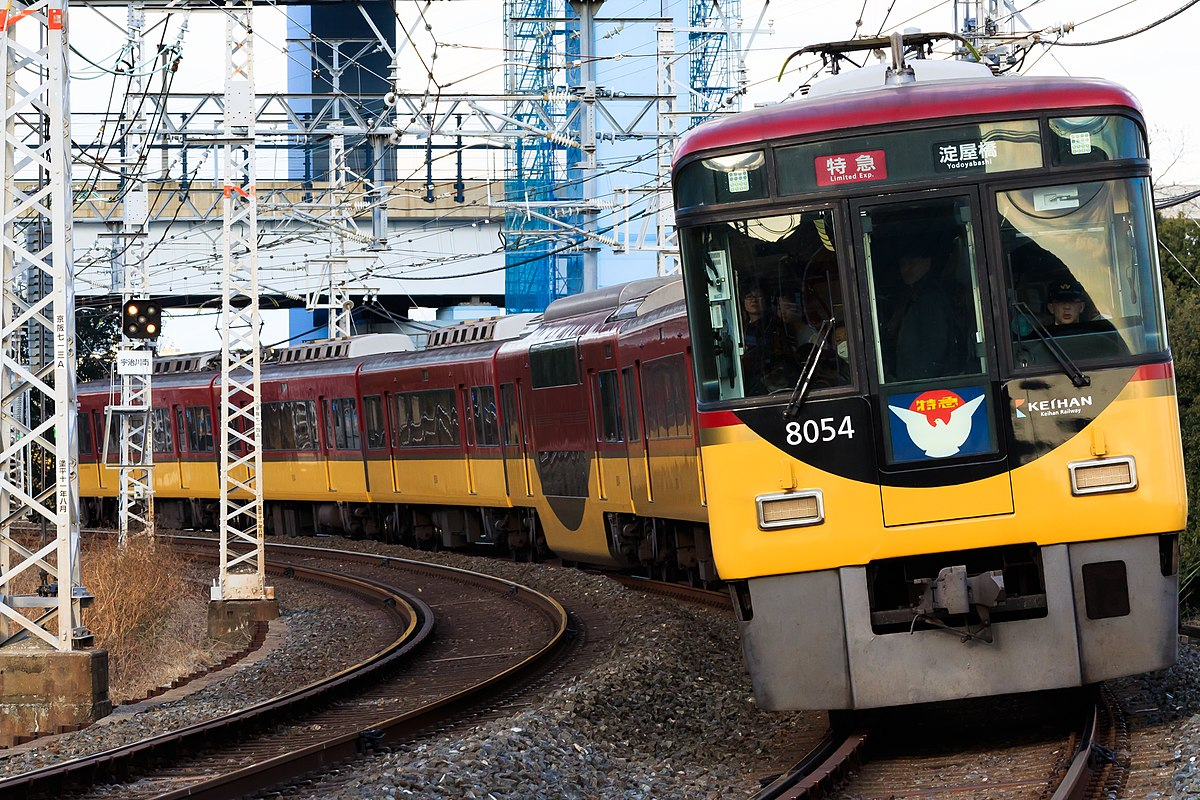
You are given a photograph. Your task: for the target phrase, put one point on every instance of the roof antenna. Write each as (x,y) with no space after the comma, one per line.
(899,73)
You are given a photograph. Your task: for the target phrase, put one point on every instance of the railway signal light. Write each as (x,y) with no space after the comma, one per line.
(141,319)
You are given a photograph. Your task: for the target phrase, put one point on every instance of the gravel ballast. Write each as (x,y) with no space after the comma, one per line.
(666,712)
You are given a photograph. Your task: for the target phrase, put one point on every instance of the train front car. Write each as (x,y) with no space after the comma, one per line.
(938,417)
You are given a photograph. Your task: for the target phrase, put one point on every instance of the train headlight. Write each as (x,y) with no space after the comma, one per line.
(1103,475)
(790,509)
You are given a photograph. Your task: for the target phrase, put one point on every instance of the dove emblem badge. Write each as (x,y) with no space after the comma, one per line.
(939,423)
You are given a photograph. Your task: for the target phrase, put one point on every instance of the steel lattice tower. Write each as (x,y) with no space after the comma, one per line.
(713,42)
(536,40)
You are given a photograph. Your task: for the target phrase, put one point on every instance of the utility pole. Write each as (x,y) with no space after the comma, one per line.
(35,145)
(240,593)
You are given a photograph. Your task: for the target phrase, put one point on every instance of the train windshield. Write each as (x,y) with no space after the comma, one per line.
(1079,266)
(767,286)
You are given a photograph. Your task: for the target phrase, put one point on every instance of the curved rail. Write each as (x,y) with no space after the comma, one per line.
(125,760)
(821,769)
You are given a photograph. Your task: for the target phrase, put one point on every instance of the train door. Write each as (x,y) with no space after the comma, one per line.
(326,442)
(390,407)
(638,456)
(934,369)
(102,471)
(611,454)
(513,439)
(470,411)
(180,443)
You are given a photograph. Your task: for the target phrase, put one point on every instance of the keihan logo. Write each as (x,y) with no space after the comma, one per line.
(938,421)
(1020,401)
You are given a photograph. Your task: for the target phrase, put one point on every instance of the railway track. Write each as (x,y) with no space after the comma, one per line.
(1089,762)
(380,701)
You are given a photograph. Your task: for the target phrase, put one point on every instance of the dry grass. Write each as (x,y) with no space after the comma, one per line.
(150,613)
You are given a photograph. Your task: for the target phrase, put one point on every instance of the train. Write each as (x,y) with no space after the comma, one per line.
(910,399)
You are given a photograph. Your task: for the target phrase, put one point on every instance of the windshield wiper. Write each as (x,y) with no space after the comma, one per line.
(792,409)
(1073,372)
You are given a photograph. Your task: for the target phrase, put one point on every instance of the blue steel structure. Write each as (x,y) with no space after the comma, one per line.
(712,45)
(537,170)
(543,261)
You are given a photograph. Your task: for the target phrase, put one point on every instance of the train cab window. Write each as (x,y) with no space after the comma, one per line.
(160,429)
(373,422)
(1080,271)
(1080,140)
(483,416)
(608,407)
(924,291)
(342,421)
(199,428)
(926,323)
(724,179)
(84,425)
(760,291)
(508,407)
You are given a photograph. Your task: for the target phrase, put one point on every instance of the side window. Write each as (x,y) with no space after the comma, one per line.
(665,398)
(373,421)
(199,429)
(180,427)
(631,404)
(483,415)
(84,425)
(608,407)
(160,426)
(427,419)
(554,364)
(512,422)
(342,419)
(304,417)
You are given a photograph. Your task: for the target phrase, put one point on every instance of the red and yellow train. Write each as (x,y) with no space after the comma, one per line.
(912,400)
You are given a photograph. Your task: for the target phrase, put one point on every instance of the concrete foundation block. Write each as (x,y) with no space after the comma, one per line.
(229,620)
(48,691)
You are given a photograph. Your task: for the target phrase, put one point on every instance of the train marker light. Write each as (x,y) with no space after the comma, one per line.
(790,509)
(1103,475)
(141,319)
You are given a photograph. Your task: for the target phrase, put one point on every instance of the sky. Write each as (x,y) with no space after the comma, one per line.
(1156,65)
(461,41)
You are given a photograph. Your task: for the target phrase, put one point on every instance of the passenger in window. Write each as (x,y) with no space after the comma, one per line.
(764,355)
(754,317)
(923,322)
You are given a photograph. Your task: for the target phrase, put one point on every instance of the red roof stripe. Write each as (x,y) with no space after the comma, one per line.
(906,103)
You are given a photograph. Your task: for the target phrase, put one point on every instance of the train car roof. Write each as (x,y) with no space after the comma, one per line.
(903,103)
(610,298)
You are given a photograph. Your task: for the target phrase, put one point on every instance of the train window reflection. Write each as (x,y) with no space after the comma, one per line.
(760,290)
(1080,266)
